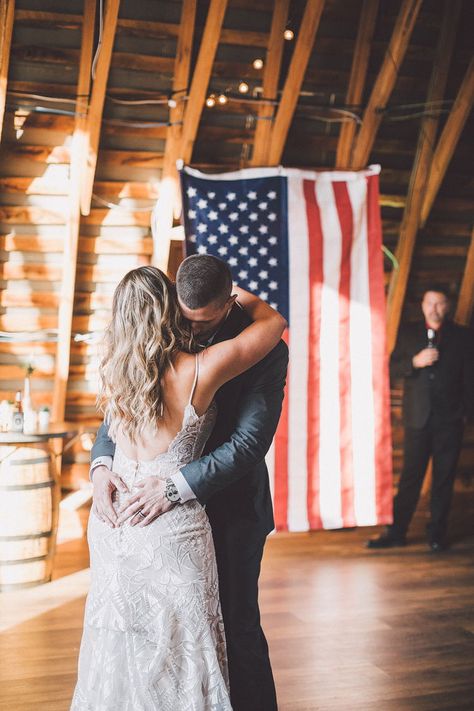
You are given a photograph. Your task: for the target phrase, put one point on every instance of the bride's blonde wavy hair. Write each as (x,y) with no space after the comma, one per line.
(146,332)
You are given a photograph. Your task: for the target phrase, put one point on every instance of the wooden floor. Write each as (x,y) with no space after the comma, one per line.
(349,629)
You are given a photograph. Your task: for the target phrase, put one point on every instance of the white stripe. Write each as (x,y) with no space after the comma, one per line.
(298,370)
(329,448)
(363,419)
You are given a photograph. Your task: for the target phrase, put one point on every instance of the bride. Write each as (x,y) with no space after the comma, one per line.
(153,635)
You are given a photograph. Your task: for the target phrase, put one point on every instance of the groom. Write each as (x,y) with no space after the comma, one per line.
(231,477)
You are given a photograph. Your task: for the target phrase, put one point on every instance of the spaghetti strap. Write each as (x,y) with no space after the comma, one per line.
(196,375)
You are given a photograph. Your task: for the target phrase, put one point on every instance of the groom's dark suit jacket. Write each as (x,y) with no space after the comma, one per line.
(231,477)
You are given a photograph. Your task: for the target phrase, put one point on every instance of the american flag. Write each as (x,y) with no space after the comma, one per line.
(310,245)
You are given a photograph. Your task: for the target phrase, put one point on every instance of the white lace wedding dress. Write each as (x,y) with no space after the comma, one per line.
(153,633)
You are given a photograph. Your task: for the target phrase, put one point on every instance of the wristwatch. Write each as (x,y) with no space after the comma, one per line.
(171,492)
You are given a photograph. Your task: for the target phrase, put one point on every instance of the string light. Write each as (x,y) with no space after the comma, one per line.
(222,99)
(288,34)
(243,87)
(258,63)
(211,101)
(172,103)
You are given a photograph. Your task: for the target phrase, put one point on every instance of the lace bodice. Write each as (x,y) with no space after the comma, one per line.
(186,446)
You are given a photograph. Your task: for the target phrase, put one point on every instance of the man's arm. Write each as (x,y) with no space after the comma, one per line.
(103,445)
(468,375)
(401,362)
(256,422)
(105,482)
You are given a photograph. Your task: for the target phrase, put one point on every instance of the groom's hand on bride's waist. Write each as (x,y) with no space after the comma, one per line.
(150,502)
(105,483)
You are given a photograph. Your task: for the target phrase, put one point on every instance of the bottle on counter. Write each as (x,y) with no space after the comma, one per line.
(18,417)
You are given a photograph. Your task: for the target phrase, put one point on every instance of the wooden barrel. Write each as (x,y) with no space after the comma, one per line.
(29,508)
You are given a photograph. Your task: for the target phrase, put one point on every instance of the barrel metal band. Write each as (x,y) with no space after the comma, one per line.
(27,487)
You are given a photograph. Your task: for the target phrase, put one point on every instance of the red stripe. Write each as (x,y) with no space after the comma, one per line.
(315,247)
(280,503)
(344,209)
(380,380)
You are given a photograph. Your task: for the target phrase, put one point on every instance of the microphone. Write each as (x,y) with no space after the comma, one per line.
(431,333)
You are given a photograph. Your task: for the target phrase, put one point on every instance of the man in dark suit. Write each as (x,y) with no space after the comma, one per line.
(231,477)
(436,359)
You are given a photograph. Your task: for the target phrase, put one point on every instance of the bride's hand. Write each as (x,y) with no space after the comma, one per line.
(148,504)
(105,482)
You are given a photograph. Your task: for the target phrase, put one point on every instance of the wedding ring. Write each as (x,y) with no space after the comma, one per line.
(141,513)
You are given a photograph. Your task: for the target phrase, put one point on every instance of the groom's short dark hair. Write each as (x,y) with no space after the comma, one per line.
(203,279)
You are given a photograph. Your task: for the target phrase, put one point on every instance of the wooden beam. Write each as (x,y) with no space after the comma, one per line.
(96,106)
(169,186)
(421,170)
(294,80)
(359,68)
(385,82)
(449,139)
(202,74)
(79,149)
(465,305)
(271,77)
(7,13)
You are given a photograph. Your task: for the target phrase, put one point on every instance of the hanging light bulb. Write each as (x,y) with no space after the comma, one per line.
(288,34)
(211,101)
(257,63)
(172,103)
(222,99)
(19,119)
(243,87)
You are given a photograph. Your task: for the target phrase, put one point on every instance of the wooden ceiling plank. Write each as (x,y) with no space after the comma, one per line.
(7,14)
(79,147)
(201,76)
(385,82)
(448,140)
(421,169)
(271,77)
(294,80)
(96,106)
(357,78)
(465,305)
(169,185)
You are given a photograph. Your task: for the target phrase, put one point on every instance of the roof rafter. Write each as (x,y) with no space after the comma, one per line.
(465,305)
(202,74)
(7,13)
(169,188)
(271,76)
(357,77)
(294,80)
(96,106)
(448,140)
(66,303)
(385,82)
(421,169)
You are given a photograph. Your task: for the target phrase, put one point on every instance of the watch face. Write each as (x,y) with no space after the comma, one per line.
(171,493)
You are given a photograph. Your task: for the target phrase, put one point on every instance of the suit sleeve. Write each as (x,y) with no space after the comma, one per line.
(468,375)
(103,445)
(257,418)
(401,365)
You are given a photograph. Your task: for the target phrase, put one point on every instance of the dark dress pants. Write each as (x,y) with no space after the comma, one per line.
(239,557)
(443,442)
